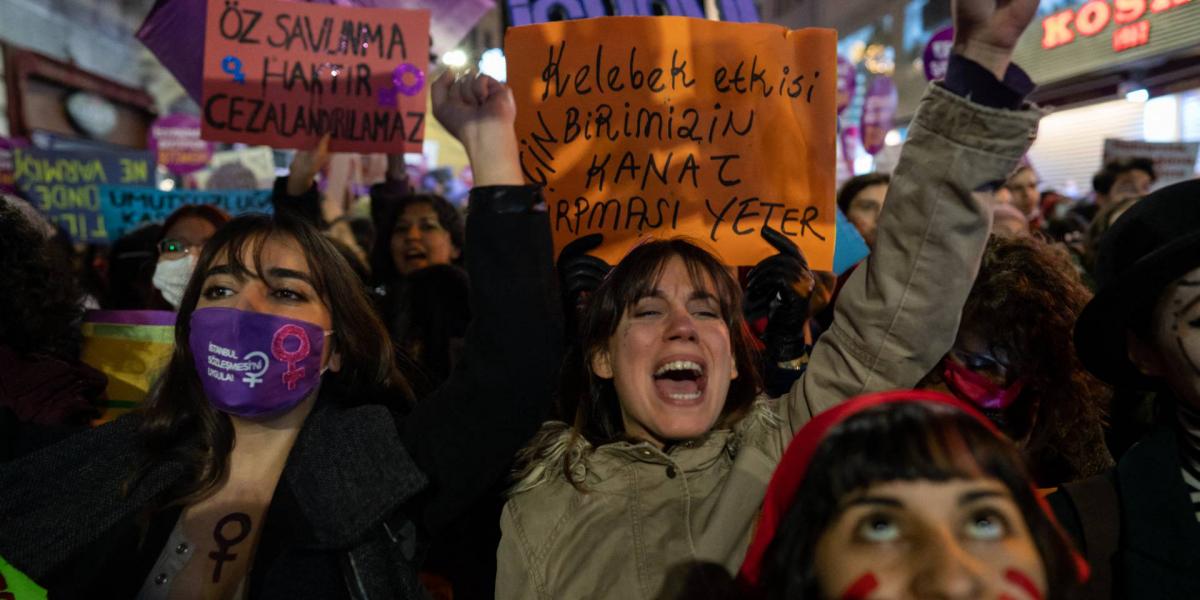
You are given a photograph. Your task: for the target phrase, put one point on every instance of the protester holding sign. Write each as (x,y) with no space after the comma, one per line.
(667,458)
(282,435)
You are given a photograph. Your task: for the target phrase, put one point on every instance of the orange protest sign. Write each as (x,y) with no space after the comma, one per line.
(669,126)
(285,73)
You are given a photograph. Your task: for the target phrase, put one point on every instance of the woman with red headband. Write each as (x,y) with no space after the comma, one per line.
(906,495)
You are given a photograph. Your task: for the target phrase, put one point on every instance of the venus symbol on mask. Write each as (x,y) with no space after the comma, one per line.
(279,350)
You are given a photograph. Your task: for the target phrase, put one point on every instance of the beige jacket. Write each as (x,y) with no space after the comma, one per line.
(646,511)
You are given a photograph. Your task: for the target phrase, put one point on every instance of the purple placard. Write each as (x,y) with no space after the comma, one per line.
(846,82)
(8,184)
(529,12)
(879,110)
(130,317)
(176,140)
(937,53)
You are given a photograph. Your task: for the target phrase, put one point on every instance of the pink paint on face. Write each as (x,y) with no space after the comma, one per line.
(1024,582)
(861,588)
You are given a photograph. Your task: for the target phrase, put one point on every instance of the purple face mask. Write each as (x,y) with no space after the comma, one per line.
(255,364)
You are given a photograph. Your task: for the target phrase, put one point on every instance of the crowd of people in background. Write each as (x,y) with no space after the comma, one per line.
(1001,401)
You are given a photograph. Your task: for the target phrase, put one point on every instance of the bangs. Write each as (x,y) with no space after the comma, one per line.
(911,442)
(246,237)
(638,275)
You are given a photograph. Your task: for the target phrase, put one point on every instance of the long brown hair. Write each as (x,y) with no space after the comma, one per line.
(591,401)
(178,422)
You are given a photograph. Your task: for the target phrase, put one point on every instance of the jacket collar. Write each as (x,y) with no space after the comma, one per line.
(347,472)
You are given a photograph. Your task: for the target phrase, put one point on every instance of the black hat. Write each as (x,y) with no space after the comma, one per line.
(1152,244)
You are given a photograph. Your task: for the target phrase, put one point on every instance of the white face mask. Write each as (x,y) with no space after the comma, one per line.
(171,278)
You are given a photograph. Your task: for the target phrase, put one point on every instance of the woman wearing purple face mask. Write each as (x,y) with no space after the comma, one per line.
(1013,359)
(281,455)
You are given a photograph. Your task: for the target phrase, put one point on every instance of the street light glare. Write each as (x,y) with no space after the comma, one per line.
(455,58)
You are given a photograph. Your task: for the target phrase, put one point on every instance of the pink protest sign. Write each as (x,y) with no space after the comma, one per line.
(176,141)
(879,111)
(937,53)
(283,74)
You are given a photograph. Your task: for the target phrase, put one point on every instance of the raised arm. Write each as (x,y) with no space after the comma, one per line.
(465,435)
(297,194)
(899,314)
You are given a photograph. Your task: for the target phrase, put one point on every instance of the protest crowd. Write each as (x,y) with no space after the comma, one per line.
(614,368)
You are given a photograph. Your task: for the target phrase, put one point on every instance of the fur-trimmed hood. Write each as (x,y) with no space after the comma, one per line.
(558,451)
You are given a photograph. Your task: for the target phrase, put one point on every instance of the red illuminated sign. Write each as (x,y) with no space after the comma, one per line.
(1062,28)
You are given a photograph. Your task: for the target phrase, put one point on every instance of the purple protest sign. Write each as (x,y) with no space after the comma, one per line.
(846,82)
(8,183)
(879,110)
(176,140)
(937,53)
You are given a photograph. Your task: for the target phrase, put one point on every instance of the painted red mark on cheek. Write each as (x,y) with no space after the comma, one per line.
(861,587)
(1023,581)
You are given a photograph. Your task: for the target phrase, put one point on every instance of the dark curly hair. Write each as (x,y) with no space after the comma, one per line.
(39,296)
(1024,303)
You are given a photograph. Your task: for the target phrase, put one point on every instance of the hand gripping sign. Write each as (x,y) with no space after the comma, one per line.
(670,126)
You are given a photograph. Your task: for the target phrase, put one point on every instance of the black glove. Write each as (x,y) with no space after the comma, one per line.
(780,288)
(579,274)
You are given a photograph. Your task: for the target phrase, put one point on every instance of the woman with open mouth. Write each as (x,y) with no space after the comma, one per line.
(668,449)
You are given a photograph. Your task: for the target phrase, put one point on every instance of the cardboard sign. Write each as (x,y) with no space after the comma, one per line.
(669,126)
(285,73)
(125,208)
(1173,161)
(64,185)
(130,347)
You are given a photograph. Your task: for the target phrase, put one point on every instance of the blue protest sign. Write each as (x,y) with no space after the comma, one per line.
(849,247)
(125,208)
(63,185)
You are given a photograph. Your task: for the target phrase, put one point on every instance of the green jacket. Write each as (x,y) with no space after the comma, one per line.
(646,511)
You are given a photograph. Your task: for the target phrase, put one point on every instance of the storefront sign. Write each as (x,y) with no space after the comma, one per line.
(1093,17)
(529,12)
(668,126)
(1083,37)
